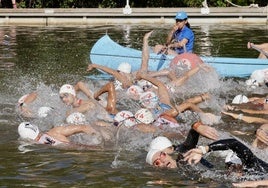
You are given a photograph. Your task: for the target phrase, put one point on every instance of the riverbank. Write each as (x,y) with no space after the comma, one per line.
(101,16)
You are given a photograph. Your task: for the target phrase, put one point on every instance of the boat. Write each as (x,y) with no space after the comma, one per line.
(109,53)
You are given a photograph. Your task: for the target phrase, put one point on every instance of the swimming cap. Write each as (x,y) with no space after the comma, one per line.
(181,15)
(144,116)
(28,131)
(150,155)
(238,99)
(124,67)
(257,78)
(124,117)
(144,84)
(149,99)
(160,143)
(44,111)
(134,91)
(76,118)
(67,88)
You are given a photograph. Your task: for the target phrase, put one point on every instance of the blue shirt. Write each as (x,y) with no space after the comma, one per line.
(186,33)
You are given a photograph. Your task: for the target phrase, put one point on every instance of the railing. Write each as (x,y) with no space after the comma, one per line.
(89,16)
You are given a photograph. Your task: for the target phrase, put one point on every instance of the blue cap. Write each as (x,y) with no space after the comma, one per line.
(181,15)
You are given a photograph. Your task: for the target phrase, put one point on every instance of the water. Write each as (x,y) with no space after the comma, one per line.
(48,57)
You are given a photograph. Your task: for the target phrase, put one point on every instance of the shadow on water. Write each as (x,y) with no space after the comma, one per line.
(48,57)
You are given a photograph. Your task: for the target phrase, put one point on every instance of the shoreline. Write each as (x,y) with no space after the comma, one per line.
(111,16)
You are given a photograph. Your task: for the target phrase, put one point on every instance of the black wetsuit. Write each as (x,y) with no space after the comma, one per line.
(249,160)
(190,143)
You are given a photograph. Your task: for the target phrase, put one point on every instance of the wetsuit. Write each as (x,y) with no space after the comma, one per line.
(190,143)
(249,160)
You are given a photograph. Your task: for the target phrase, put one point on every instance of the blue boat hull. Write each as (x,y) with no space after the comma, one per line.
(108,53)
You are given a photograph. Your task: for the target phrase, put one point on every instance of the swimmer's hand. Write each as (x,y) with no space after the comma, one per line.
(193,156)
(208,132)
(90,67)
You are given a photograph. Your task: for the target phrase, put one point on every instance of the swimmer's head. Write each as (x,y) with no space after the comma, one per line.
(76,118)
(149,99)
(239,99)
(67,88)
(124,117)
(44,111)
(124,67)
(160,158)
(134,91)
(144,115)
(160,143)
(27,130)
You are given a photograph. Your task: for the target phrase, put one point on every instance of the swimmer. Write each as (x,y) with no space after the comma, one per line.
(85,106)
(251,106)
(55,136)
(161,148)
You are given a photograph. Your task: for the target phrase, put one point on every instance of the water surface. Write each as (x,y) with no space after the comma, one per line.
(34,57)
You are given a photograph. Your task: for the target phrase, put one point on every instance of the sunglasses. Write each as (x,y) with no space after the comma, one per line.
(158,162)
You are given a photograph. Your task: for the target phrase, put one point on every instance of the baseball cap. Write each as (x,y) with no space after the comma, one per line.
(181,15)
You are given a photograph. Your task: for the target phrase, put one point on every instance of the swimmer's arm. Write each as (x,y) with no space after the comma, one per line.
(62,133)
(146,128)
(83,108)
(30,98)
(103,68)
(251,183)
(80,86)
(249,111)
(248,119)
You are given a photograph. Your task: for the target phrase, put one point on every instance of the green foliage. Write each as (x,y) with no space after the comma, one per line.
(133,3)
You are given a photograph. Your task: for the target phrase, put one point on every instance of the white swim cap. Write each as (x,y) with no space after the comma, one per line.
(44,111)
(144,116)
(150,155)
(232,158)
(257,78)
(252,83)
(160,143)
(144,84)
(76,118)
(67,88)
(124,67)
(134,91)
(125,117)
(28,131)
(238,99)
(149,99)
